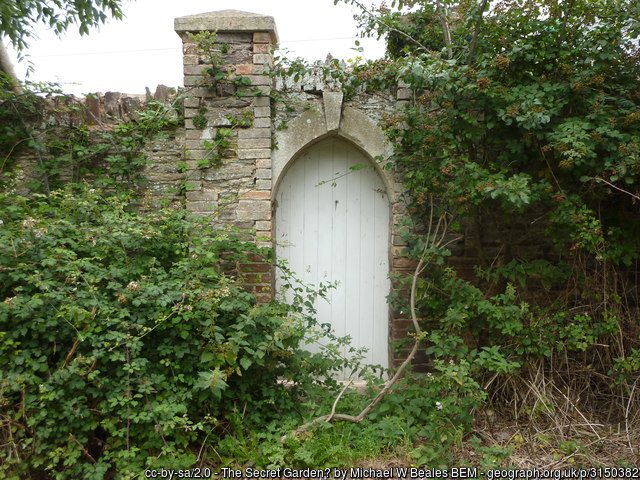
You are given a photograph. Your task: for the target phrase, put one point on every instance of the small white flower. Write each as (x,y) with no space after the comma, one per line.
(438,406)
(1,221)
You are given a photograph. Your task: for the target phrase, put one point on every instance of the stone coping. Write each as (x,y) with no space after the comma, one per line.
(228,21)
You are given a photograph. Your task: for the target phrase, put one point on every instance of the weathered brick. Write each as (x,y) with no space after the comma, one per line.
(197,154)
(254,133)
(262,58)
(262,112)
(256,195)
(403,262)
(190,59)
(262,102)
(206,206)
(251,153)
(254,143)
(263,184)
(190,112)
(261,37)
(260,80)
(261,48)
(194,80)
(263,163)
(191,102)
(194,144)
(195,134)
(398,240)
(253,210)
(196,69)
(202,196)
(263,173)
(264,225)
(262,122)
(192,185)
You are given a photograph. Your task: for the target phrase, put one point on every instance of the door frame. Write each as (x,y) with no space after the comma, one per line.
(389,190)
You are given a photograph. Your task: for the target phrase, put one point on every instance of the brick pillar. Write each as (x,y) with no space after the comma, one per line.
(402,267)
(237,189)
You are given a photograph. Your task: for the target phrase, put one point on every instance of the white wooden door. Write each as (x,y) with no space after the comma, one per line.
(332,224)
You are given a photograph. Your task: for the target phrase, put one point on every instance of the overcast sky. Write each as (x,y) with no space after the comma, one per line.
(143,50)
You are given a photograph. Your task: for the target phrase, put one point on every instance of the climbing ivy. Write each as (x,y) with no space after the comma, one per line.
(522,129)
(55,133)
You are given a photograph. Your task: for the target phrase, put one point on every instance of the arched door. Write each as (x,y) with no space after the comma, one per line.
(332,224)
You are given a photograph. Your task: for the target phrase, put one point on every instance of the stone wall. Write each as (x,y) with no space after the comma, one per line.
(100,113)
(239,189)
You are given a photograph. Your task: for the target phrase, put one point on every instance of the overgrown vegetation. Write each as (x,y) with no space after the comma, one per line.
(127,341)
(520,130)
(55,130)
(522,127)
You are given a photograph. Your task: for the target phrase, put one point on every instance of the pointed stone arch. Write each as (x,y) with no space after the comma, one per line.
(345,122)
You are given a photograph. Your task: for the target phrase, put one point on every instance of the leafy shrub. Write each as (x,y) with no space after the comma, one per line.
(522,126)
(123,342)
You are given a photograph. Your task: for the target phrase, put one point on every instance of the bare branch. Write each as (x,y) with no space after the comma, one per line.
(432,242)
(361,6)
(442,13)
(476,31)
(335,403)
(598,179)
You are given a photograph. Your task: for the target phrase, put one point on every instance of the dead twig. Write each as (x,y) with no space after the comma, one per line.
(626,414)
(434,240)
(335,403)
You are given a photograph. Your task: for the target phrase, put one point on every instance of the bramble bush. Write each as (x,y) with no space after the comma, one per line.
(125,342)
(523,127)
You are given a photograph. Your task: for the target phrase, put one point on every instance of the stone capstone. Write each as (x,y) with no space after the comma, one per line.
(228,21)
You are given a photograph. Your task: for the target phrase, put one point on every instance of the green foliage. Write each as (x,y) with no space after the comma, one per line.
(200,121)
(211,52)
(415,421)
(525,130)
(217,149)
(208,47)
(67,149)
(18,112)
(18,18)
(125,342)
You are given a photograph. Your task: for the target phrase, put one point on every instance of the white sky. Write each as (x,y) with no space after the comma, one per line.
(143,50)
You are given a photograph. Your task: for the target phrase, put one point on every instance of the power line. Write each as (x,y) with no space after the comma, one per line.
(174,49)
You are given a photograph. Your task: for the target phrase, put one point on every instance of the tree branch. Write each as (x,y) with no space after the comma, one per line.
(361,6)
(476,31)
(442,13)
(433,241)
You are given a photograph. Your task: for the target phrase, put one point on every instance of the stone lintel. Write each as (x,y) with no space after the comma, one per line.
(228,21)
